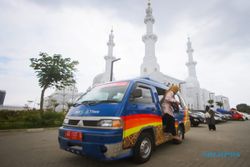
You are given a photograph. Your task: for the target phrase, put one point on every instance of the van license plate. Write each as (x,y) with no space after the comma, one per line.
(72,135)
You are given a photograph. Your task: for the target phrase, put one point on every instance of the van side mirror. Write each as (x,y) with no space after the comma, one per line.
(137,93)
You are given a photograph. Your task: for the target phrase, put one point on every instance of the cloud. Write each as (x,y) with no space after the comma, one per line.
(78,29)
(79,33)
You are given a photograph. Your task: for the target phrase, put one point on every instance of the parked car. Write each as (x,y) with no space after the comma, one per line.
(222,116)
(228,116)
(218,119)
(195,119)
(245,115)
(202,115)
(226,113)
(237,116)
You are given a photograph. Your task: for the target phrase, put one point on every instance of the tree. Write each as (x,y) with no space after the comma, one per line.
(243,108)
(53,71)
(219,103)
(210,101)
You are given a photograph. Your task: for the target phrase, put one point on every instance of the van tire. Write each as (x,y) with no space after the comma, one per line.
(143,148)
(181,134)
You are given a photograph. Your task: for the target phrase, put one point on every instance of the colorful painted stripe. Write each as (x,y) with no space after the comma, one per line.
(138,128)
(134,123)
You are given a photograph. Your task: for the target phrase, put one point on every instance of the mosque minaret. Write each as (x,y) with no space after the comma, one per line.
(191,64)
(149,64)
(105,76)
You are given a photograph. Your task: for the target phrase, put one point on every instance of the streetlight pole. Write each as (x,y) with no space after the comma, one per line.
(181,83)
(111,71)
(211,93)
(211,98)
(222,101)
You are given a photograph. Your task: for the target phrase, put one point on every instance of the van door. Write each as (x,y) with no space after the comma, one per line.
(140,113)
(180,113)
(144,104)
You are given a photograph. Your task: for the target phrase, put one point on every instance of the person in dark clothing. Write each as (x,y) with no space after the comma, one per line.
(207,116)
(210,118)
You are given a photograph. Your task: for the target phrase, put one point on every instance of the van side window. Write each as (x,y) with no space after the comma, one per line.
(145,98)
(161,92)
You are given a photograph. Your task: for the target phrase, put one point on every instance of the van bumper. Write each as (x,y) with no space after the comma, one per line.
(100,144)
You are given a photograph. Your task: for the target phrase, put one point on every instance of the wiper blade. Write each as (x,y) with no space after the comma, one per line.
(88,102)
(108,101)
(94,102)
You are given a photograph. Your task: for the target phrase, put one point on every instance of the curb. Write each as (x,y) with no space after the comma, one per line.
(29,130)
(35,130)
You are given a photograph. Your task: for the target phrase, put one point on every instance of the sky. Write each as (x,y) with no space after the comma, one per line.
(79,29)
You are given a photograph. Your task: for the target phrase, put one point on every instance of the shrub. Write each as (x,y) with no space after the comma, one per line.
(30,119)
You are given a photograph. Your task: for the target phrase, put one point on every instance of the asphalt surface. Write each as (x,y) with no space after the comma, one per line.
(228,146)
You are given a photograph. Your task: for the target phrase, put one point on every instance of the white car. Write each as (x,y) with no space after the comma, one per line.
(217,119)
(245,115)
(201,114)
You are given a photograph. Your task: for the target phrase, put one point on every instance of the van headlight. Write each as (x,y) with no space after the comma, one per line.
(110,123)
(66,121)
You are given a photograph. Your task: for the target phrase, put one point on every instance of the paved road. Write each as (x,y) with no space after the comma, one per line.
(37,149)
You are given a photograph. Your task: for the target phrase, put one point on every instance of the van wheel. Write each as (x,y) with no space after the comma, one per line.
(180,133)
(143,148)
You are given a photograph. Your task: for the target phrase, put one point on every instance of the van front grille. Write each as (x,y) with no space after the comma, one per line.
(73,122)
(90,123)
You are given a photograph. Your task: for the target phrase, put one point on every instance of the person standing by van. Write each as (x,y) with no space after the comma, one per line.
(212,119)
(167,102)
(209,114)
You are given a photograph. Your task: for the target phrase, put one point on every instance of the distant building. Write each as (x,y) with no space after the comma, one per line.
(224,100)
(2,96)
(60,100)
(15,108)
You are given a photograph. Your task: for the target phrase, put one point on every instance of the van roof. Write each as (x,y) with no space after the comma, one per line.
(148,81)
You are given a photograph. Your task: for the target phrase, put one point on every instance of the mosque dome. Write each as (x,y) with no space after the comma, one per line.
(98,79)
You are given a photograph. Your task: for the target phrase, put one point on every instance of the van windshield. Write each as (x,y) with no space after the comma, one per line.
(106,93)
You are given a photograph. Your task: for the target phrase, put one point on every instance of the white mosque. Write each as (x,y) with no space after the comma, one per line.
(195,97)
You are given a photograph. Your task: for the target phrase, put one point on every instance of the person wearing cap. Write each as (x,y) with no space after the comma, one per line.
(168,102)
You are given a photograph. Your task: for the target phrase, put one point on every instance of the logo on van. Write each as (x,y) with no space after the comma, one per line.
(92,112)
(82,112)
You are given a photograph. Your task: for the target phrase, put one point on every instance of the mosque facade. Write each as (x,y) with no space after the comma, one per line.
(195,96)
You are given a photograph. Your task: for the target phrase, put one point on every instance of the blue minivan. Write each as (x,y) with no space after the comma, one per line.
(120,119)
